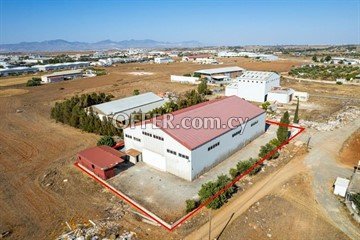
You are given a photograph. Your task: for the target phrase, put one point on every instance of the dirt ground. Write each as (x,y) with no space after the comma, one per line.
(40,187)
(269,217)
(37,155)
(350,153)
(256,65)
(326,99)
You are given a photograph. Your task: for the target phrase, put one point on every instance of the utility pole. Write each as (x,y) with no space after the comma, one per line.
(210,224)
(308,142)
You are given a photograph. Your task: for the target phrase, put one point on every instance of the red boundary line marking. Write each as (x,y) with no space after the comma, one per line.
(209,200)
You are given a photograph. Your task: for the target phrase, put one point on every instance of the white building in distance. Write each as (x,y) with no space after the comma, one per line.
(280,95)
(187,149)
(62,66)
(17,71)
(163,60)
(253,85)
(220,75)
(62,76)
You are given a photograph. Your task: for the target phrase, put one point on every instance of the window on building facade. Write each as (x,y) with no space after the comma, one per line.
(254,123)
(213,146)
(183,156)
(171,151)
(236,133)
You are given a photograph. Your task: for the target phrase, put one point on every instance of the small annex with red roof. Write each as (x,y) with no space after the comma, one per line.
(190,141)
(101,160)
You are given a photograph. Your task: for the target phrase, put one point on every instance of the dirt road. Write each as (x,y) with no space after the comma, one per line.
(240,204)
(322,162)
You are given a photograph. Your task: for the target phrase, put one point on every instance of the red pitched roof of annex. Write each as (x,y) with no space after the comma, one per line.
(104,157)
(224,109)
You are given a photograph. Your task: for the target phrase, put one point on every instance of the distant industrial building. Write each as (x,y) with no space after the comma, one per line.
(62,66)
(17,70)
(302,96)
(193,58)
(120,109)
(163,60)
(102,160)
(219,75)
(280,95)
(184,79)
(189,151)
(62,76)
(253,85)
(259,56)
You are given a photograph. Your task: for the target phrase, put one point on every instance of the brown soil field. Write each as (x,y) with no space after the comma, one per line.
(350,151)
(328,97)
(270,217)
(37,154)
(12,92)
(255,65)
(10,81)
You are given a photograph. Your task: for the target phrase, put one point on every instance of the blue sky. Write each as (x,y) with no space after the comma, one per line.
(215,22)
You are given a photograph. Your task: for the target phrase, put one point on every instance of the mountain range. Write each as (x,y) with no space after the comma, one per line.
(63,45)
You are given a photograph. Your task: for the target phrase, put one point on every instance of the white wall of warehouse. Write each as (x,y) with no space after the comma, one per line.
(202,159)
(174,163)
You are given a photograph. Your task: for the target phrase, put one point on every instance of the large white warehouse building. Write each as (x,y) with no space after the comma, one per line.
(253,85)
(187,147)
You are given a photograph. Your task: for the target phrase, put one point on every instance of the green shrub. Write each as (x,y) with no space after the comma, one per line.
(106,140)
(191,204)
(136,92)
(197,75)
(265,150)
(275,142)
(356,199)
(212,187)
(265,105)
(33,82)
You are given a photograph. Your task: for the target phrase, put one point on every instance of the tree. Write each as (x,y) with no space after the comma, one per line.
(265,150)
(314,58)
(211,188)
(282,132)
(327,58)
(136,92)
(33,82)
(197,75)
(265,105)
(296,115)
(202,87)
(106,140)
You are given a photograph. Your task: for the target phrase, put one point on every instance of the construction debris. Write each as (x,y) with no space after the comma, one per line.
(99,230)
(341,118)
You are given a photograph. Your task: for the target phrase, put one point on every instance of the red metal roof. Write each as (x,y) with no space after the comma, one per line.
(104,157)
(223,109)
